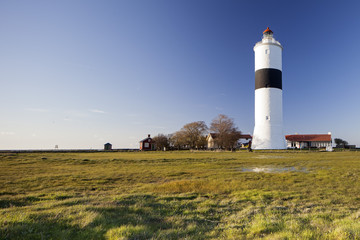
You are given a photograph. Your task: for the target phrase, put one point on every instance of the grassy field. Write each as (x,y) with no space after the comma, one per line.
(180,195)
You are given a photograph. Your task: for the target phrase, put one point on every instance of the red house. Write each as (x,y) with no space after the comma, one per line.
(147,144)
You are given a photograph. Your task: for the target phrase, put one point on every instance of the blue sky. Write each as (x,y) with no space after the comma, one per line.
(78,74)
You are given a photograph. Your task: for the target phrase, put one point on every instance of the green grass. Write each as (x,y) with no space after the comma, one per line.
(180,195)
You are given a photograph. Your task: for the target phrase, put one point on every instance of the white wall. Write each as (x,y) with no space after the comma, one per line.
(268,56)
(268,131)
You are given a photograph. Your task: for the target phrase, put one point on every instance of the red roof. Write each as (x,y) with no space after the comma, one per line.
(148,139)
(246,136)
(309,138)
(267,30)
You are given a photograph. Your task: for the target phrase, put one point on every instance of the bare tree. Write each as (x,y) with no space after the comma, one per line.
(161,141)
(227,133)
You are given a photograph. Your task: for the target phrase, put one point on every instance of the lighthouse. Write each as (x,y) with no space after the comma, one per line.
(268,130)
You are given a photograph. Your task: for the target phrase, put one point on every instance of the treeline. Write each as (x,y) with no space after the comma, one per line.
(193,135)
(340,143)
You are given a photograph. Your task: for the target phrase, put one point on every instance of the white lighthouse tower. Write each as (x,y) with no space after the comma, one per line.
(268,130)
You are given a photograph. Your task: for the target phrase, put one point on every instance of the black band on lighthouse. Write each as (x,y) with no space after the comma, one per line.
(268,78)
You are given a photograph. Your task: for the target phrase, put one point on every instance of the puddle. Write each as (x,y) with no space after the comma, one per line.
(268,156)
(274,169)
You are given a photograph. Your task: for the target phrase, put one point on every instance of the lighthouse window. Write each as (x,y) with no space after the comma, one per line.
(267,117)
(267,51)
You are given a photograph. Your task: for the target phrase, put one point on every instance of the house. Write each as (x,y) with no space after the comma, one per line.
(107,147)
(210,139)
(211,142)
(309,141)
(147,144)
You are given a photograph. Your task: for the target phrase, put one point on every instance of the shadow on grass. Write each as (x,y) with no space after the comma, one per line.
(47,229)
(7,203)
(129,217)
(159,218)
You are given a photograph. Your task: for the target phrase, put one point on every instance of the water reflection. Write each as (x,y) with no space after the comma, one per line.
(274,169)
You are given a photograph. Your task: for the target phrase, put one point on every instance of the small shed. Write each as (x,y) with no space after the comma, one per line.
(107,147)
(147,144)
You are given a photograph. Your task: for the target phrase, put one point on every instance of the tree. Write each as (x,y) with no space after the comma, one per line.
(340,143)
(161,141)
(226,132)
(177,140)
(202,142)
(193,133)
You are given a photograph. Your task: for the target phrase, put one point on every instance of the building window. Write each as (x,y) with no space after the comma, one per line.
(146,145)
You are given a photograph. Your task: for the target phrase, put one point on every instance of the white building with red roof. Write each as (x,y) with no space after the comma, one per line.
(309,140)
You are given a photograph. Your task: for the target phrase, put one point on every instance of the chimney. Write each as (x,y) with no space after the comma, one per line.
(148,135)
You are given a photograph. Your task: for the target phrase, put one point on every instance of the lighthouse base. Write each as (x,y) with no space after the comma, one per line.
(268,137)
(268,131)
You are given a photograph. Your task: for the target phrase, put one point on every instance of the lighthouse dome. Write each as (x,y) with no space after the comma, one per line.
(268,38)
(268,31)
